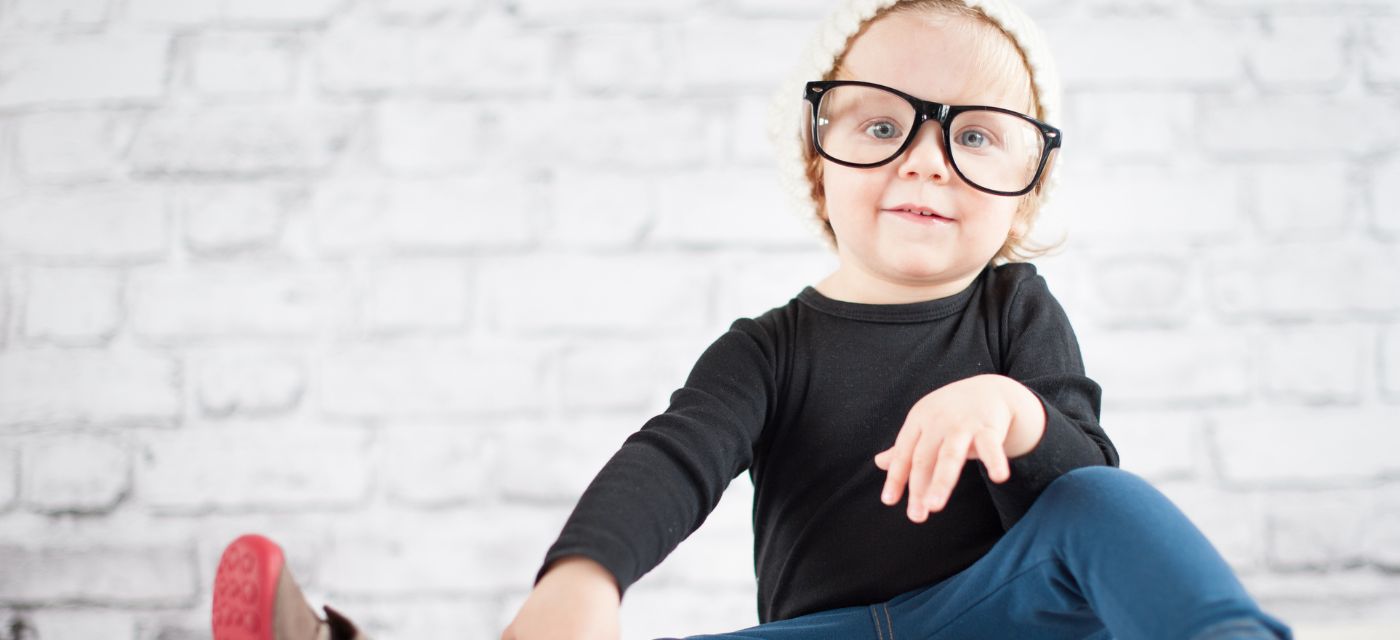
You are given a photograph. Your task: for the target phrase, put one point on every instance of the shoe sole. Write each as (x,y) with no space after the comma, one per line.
(245,589)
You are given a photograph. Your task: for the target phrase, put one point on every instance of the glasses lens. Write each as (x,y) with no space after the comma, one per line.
(996,150)
(863,125)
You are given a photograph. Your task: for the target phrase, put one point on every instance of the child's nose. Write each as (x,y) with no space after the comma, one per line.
(925,158)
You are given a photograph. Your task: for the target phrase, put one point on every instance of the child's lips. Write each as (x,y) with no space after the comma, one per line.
(917,217)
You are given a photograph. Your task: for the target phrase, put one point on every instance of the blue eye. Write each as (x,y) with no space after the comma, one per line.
(892,132)
(977,138)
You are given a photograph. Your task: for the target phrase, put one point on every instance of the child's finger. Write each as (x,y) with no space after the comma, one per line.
(920,469)
(948,469)
(896,475)
(993,456)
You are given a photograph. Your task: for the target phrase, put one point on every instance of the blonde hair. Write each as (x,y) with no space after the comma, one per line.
(1017,247)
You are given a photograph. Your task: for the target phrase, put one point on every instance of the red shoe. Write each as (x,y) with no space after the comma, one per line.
(255,597)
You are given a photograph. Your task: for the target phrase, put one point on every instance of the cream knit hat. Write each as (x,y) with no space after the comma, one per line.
(785,111)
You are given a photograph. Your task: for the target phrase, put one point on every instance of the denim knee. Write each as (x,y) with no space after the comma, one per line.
(1089,487)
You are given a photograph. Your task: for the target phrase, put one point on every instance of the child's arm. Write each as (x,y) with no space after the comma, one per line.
(669,475)
(1043,360)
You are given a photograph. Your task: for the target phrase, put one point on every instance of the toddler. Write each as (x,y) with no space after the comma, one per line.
(922,438)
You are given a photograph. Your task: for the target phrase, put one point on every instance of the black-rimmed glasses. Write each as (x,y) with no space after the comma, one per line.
(863,124)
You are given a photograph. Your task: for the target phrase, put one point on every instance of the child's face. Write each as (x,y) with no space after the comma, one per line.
(935,58)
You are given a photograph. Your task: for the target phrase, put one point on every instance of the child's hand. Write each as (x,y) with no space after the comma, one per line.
(967,419)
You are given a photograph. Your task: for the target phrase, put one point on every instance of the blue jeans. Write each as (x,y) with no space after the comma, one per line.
(1101,554)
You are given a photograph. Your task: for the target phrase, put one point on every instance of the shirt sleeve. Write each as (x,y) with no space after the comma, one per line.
(668,476)
(1043,354)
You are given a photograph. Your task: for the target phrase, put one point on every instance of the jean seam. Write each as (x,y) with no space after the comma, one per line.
(879,633)
(989,594)
(888,622)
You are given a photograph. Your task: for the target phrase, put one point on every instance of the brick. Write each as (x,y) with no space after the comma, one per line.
(1381,56)
(117,385)
(229,300)
(66,624)
(1247,128)
(621,375)
(71,306)
(47,13)
(1389,369)
(249,467)
(1298,280)
(1141,289)
(1109,207)
(598,209)
(101,223)
(281,14)
(1380,535)
(172,12)
(1312,201)
(620,57)
(436,466)
(1179,368)
(1308,6)
(724,207)
(794,8)
(1314,365)
(431,379)
(359,57)
(411,135)
(244,64)
(9,475)
(1316,530)
(1233,522)
(1279,446)
(1129,124)
(1157,445)
(423,214)
(72,146)
(420,295)
(78,69)
(1385,182)
(242,140)
(245,383)
(1147,51)
(1298,52)
(565,12)
(598,294)
(421,553)
(493,55)
(125,575)
(679,135)
(1359,596)
(421,10)
(227,219)
(721,53)
(749,143)
(752,285)
(82,473)
(554,462)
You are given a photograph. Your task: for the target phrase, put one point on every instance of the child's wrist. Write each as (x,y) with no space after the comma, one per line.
(585,572)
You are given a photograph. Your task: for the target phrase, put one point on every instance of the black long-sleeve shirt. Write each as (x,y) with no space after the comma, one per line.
(803,397)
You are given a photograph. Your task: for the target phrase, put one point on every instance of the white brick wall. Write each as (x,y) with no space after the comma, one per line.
(388,280)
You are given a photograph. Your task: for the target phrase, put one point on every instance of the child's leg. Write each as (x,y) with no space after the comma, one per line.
(255,598)
(1099,548)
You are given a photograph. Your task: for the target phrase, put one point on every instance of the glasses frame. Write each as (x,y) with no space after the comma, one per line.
(941,113)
